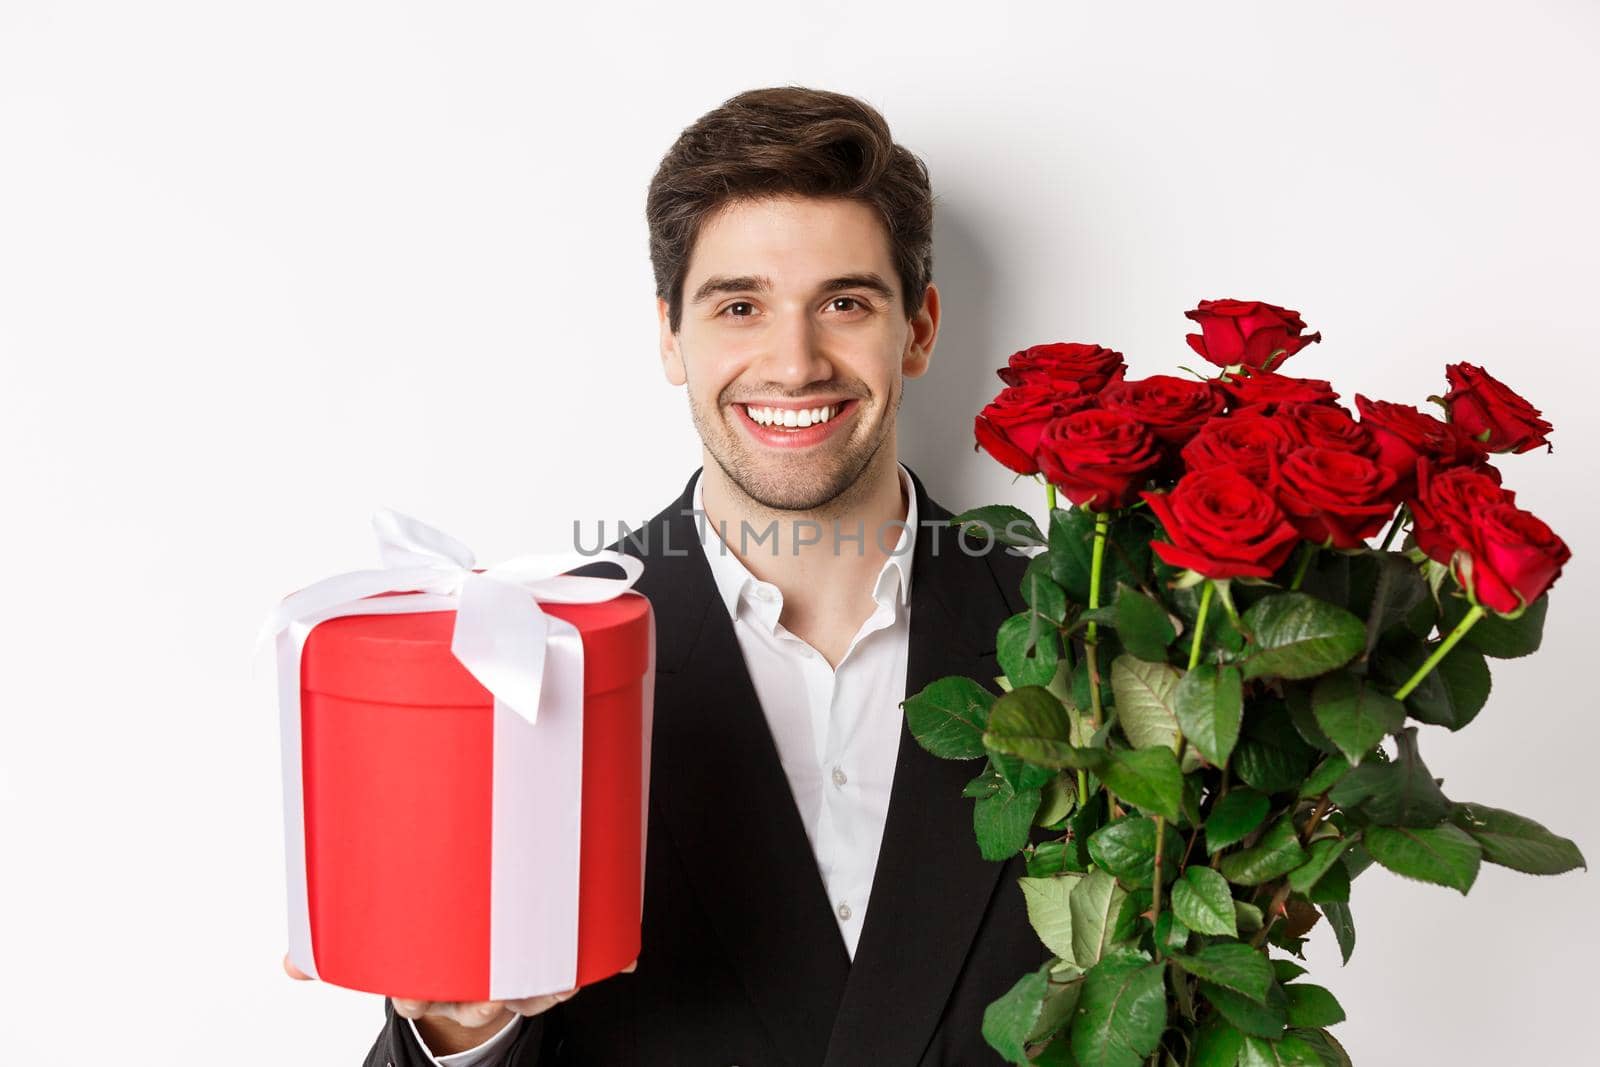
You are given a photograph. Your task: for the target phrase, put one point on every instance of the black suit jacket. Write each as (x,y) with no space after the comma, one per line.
(742,961)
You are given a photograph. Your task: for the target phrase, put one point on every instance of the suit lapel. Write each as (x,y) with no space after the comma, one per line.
(931,887)
(726,802)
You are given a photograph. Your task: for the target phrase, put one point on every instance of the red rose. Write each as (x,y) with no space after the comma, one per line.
(1327,426)
(1247,331)
(1260,392)
(1512,559)
(1222,525)
(1334,498)
(1171,408)
(1404,435)
(1502,556)
(1090,366)
(1446,501)
(1099,459)
(1250,444)
(1484,409)
(1009,427)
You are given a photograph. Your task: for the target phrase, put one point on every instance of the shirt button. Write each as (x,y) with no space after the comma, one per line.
(839,777)
(844,911)
(766,593)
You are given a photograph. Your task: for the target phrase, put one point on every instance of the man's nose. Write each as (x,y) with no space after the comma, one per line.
(794,355)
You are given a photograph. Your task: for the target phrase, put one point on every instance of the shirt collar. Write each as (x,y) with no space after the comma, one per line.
(735,582)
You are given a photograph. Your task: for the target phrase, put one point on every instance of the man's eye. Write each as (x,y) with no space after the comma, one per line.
(857,305)
(738,304)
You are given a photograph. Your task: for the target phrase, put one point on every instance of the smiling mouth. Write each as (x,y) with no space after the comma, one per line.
(792,418)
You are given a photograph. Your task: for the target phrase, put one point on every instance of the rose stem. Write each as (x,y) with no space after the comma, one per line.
(1473,615)
(1091,635)
(1394,527)
(1307,551)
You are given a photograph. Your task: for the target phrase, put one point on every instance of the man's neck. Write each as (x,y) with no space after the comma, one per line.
(827,582)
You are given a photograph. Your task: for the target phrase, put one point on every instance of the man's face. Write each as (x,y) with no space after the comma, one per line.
(791,305)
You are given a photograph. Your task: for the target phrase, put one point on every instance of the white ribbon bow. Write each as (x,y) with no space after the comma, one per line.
(501,632)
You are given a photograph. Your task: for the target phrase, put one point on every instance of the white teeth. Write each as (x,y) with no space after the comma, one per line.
(792,417)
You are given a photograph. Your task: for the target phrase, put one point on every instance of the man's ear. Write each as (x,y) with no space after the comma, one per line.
(671,357)
(924,331)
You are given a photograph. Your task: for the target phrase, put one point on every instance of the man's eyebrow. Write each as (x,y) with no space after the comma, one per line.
(752,283)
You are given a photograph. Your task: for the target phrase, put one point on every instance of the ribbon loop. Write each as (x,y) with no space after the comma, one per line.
(501,632)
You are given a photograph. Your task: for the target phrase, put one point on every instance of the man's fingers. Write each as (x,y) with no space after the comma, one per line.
(538,1005)
(409,1009)
(630,968)
(293,971)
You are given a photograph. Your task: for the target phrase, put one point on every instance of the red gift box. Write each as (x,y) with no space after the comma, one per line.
(445,841)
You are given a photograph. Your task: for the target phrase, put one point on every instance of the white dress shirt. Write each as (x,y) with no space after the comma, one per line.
(837,729)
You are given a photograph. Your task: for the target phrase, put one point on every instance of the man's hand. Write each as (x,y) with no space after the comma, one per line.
(457,1025)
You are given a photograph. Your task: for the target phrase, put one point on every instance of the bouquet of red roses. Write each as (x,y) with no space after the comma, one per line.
(1205,725)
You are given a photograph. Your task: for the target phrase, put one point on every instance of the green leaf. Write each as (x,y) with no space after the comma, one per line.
(1046,599)
(1095,902)
(1276,854)
(1354,714)
(1248,917)
(1516,841)
(947,718)
(1344,927)
(1321,855)
(1031,723)
(1143,693)
(1312,1006)
(1332,1053)
(1217,1044)
(1071,551)
(1202,899)
(1445,855)
(1497,637)
(1298,636)
(1400,792)
(1028,650)
(1050,910)
(1398,588)
(1209,705)
(1019,775)
(1257,1020)
(1122,1011)
(1060,793)
(1143,624)
(1234,816)
(1002,821)
(1049,858)
(1270,755)
(985,785)
(1008,1021)
(1147,778)
(1327,775)
(1127,848)
(1289,1051)
(1007,525)
(1232,965)
(1450,695)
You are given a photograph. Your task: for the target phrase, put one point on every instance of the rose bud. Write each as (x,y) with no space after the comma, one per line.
(1250,332)
(1334,498)
(1099,459)
(1010,426)
(1222,525)
(1091,367)
(1484,409)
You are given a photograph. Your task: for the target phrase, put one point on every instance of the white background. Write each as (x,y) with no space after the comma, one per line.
(266,267)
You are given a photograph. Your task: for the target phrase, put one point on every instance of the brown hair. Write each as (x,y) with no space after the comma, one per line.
(787,141)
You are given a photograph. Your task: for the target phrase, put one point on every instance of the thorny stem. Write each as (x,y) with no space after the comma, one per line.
(1399,520)
(1307,551)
